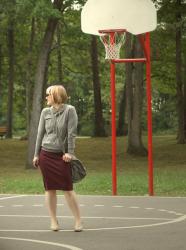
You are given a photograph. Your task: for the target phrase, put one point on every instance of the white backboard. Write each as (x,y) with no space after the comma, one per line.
(136,16)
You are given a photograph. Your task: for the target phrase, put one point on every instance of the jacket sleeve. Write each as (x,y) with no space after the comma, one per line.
(40,134)
(72,129)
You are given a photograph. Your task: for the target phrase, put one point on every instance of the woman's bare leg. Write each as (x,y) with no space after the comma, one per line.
(71,199)
(51,202)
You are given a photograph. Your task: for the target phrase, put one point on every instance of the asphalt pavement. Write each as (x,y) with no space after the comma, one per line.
(110,223)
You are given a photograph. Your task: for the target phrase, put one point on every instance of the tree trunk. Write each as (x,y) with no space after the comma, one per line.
(59,56)
(99,122)
(129,71)
(10,38)
(184,95)
(135,93)
(40,78)
(1,92)
(29,80)
(122,125)
(1,87)
(122,128)
(179,83)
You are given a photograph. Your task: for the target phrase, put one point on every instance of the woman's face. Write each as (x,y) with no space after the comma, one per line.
(49,99)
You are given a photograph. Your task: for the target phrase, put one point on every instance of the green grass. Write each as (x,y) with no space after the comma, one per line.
(169,168)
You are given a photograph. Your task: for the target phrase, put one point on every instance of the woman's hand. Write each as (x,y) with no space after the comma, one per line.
(67,157)
(36,162)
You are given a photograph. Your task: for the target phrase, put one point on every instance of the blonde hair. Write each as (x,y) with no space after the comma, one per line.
(58,93)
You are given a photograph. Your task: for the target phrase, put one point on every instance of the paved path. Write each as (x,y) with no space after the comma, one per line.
(110,223)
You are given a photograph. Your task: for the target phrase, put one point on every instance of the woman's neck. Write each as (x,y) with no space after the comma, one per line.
(57,106)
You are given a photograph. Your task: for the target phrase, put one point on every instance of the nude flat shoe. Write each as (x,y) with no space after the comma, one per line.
(78,228)
(54,227)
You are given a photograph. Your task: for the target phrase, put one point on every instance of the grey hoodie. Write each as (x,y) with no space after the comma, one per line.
(57,130)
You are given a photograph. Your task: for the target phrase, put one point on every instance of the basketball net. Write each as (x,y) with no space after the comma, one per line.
(113,46)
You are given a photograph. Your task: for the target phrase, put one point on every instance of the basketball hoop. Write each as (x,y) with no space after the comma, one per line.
(107,19)
(112,41)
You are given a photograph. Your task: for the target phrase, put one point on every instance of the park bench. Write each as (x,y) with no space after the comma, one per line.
(3,131)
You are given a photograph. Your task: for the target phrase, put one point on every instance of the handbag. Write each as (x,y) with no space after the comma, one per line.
(78,170)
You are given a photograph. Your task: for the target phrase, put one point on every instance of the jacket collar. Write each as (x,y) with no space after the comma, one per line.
(58,111)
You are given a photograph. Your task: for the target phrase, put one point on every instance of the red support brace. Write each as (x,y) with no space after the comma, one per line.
(129,60)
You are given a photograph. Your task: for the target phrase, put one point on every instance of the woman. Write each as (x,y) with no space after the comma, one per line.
(54,150)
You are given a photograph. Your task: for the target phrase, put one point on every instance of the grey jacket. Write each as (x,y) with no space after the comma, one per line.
(57,130)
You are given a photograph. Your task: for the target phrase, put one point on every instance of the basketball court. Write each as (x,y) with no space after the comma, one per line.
(110,222)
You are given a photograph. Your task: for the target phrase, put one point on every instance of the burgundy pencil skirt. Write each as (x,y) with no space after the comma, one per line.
(56,172)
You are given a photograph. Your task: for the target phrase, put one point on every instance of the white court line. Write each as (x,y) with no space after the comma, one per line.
(171,212)
(142,226)
(17,205)
(162,210)
(105,228)
(86,217)
(11,197)
(44,242)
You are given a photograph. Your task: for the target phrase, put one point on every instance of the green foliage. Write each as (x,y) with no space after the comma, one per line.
(76,62)
(44,9)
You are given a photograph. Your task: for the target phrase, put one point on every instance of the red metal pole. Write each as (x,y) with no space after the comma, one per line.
(113,120)
(149,113)
(129,60)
